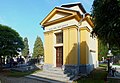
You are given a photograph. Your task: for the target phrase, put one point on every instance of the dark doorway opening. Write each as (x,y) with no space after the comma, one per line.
(59,56)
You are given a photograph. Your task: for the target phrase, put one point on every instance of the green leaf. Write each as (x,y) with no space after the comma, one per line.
(38,49)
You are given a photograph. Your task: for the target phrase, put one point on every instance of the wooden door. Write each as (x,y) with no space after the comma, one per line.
(59,56)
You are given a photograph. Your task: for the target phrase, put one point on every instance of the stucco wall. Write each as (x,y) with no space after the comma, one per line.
(91,46)
(84,46)
(70,45)
(48,50)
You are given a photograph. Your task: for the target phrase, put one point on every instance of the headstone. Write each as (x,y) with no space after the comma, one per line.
(119,61)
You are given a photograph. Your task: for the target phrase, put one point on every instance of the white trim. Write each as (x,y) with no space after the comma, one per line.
(54,51)
(58,45)
(72,3)
(54,57)
(58,31)
(57,27)
(60,25)
(68,9)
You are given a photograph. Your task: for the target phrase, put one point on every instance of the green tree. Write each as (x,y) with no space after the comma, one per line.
(10,42)
(25,51)
(38,49)
(106,17)
(102,50)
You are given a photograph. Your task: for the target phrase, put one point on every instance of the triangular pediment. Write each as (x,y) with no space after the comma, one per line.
(58,14)
(75,6)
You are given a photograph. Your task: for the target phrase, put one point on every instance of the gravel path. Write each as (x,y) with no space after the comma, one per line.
(18,80)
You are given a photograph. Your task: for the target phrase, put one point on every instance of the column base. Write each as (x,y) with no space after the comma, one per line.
(78,69)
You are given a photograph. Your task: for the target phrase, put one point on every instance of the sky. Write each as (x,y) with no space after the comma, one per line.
(25,16)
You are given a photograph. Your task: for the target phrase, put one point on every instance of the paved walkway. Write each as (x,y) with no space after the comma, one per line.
(117,69)
(117,73)
(18,80)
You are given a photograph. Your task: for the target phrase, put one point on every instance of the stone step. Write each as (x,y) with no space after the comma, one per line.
(52,74)
(50,77)
(54,71)
(59,72)
(43,79)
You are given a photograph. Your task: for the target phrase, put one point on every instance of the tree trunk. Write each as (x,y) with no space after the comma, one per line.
(0,64)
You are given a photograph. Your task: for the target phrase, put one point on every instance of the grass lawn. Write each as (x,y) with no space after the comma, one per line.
(117,64)
(97,76)
(17,73)
(103,65)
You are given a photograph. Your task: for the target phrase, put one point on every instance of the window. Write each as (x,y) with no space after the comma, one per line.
(59,38)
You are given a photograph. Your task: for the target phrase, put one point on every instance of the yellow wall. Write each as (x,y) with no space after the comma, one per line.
(48,50)
(84,49)
(70,45)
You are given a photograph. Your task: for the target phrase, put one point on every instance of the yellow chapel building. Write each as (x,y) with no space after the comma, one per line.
(68,41)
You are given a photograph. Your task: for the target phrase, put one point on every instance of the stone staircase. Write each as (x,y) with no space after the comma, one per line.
(52,75)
